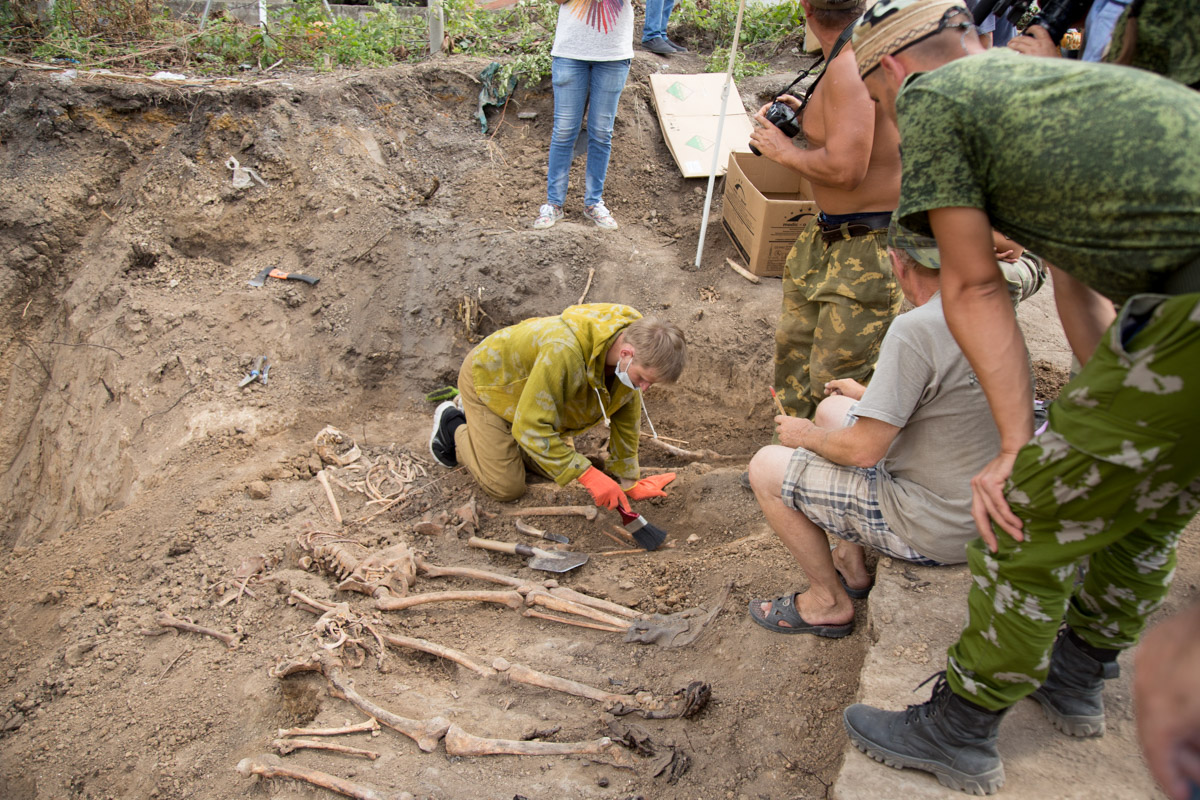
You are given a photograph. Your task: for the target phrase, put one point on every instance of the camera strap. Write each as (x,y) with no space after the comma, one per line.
(842,39)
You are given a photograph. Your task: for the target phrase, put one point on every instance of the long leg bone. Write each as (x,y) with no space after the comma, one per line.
(561,604)
(595,602)
(434,571)
(285,746)
(440,651)
(167,621)
(370,725)
(530,612)
(510,599)
(524,674)
(425,733)
(461,743)
(337,512)
(268,767)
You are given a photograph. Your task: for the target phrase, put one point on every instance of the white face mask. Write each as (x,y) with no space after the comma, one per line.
(623,374)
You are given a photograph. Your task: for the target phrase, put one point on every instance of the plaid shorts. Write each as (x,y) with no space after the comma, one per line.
(844,502)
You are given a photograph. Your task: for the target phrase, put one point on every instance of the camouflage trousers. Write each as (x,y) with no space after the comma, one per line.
(1112,484)
(838,300)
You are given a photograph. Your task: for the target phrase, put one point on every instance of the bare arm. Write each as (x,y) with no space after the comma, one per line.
(849,114)
(984,324)
(1084,312)
(863,444)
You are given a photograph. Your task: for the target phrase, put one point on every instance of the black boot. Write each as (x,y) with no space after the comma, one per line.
(951,737)
(1071,695)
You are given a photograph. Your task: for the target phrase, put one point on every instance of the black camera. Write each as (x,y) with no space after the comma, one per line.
(781,115)
(1053,15)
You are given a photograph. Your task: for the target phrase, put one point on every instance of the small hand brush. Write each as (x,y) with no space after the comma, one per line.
(645,534)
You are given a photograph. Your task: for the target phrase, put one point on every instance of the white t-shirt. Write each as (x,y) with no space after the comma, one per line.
(594,30)
(924,385)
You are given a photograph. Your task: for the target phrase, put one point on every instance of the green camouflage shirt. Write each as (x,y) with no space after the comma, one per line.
(1094,167)
(1168,40)
(546,377)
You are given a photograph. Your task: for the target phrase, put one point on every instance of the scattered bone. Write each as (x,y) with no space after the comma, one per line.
(588,285)
(468,515)
(541,733)
(338,626)
(335,447)
(268,767)
(511,599)
(710,456)
(429,529)
(386,572)
(370,725)
(167,621)
(426,733)
(633,551)
(286,746)
(530,612)
(623,534)
(246,571)
(561,604)
(615,538)
(461,743)
(587,512)
(337,512)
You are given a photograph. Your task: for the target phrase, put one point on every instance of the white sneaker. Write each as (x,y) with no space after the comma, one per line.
(547,216)
(601,216)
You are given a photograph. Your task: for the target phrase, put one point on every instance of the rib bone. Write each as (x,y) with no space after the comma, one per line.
(269,767)
(425,733)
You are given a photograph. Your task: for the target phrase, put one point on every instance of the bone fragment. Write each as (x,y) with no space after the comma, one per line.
(285,746)
(568,593)
(588,285)
(510,599)
(370,725)
(433,648)
(167,621)
(587,512)
(710,456)
(268,767)
(434,571)
(426,733)
(616,538)
(461,743)
(740,270)
(543,598)
(324,479)
(633,551)
(529,612)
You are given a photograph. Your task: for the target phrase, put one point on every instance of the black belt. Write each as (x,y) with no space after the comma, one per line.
(862,225)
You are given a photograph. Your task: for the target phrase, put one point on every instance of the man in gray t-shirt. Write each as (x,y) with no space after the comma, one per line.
(896,478)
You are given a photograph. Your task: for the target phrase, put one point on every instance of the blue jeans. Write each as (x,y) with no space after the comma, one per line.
(595,85)
(657,14)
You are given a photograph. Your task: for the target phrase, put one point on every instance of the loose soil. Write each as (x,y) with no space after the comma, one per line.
(138,476)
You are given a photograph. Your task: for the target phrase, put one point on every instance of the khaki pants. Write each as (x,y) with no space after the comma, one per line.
(486,447)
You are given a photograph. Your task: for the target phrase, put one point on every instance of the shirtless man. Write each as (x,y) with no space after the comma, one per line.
(839,294)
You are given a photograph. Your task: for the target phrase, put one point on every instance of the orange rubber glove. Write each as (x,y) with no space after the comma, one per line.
(605,491)
(651,486)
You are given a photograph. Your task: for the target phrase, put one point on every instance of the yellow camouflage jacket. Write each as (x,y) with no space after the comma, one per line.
(546,377)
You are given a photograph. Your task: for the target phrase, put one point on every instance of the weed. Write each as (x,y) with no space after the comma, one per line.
(742,66)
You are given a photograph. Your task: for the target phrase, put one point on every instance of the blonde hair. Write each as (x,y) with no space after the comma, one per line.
(659,346)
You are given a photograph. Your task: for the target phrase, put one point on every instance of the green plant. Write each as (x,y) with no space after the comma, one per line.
(742,66)
(760,22)
(519,36)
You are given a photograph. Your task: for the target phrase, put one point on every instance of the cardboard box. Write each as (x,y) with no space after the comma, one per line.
(689,110)
(765,207)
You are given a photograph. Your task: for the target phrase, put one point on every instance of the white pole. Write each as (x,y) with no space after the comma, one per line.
(712,175)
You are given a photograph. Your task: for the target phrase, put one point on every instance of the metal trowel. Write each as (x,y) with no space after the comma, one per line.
(545,560)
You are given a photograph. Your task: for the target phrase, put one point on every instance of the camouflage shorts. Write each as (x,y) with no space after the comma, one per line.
(1112,484)
(838,300)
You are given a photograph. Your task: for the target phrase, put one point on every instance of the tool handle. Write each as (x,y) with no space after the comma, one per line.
(511,548)
(296,276)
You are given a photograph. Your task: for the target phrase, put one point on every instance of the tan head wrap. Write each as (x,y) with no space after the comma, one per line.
(889,26)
